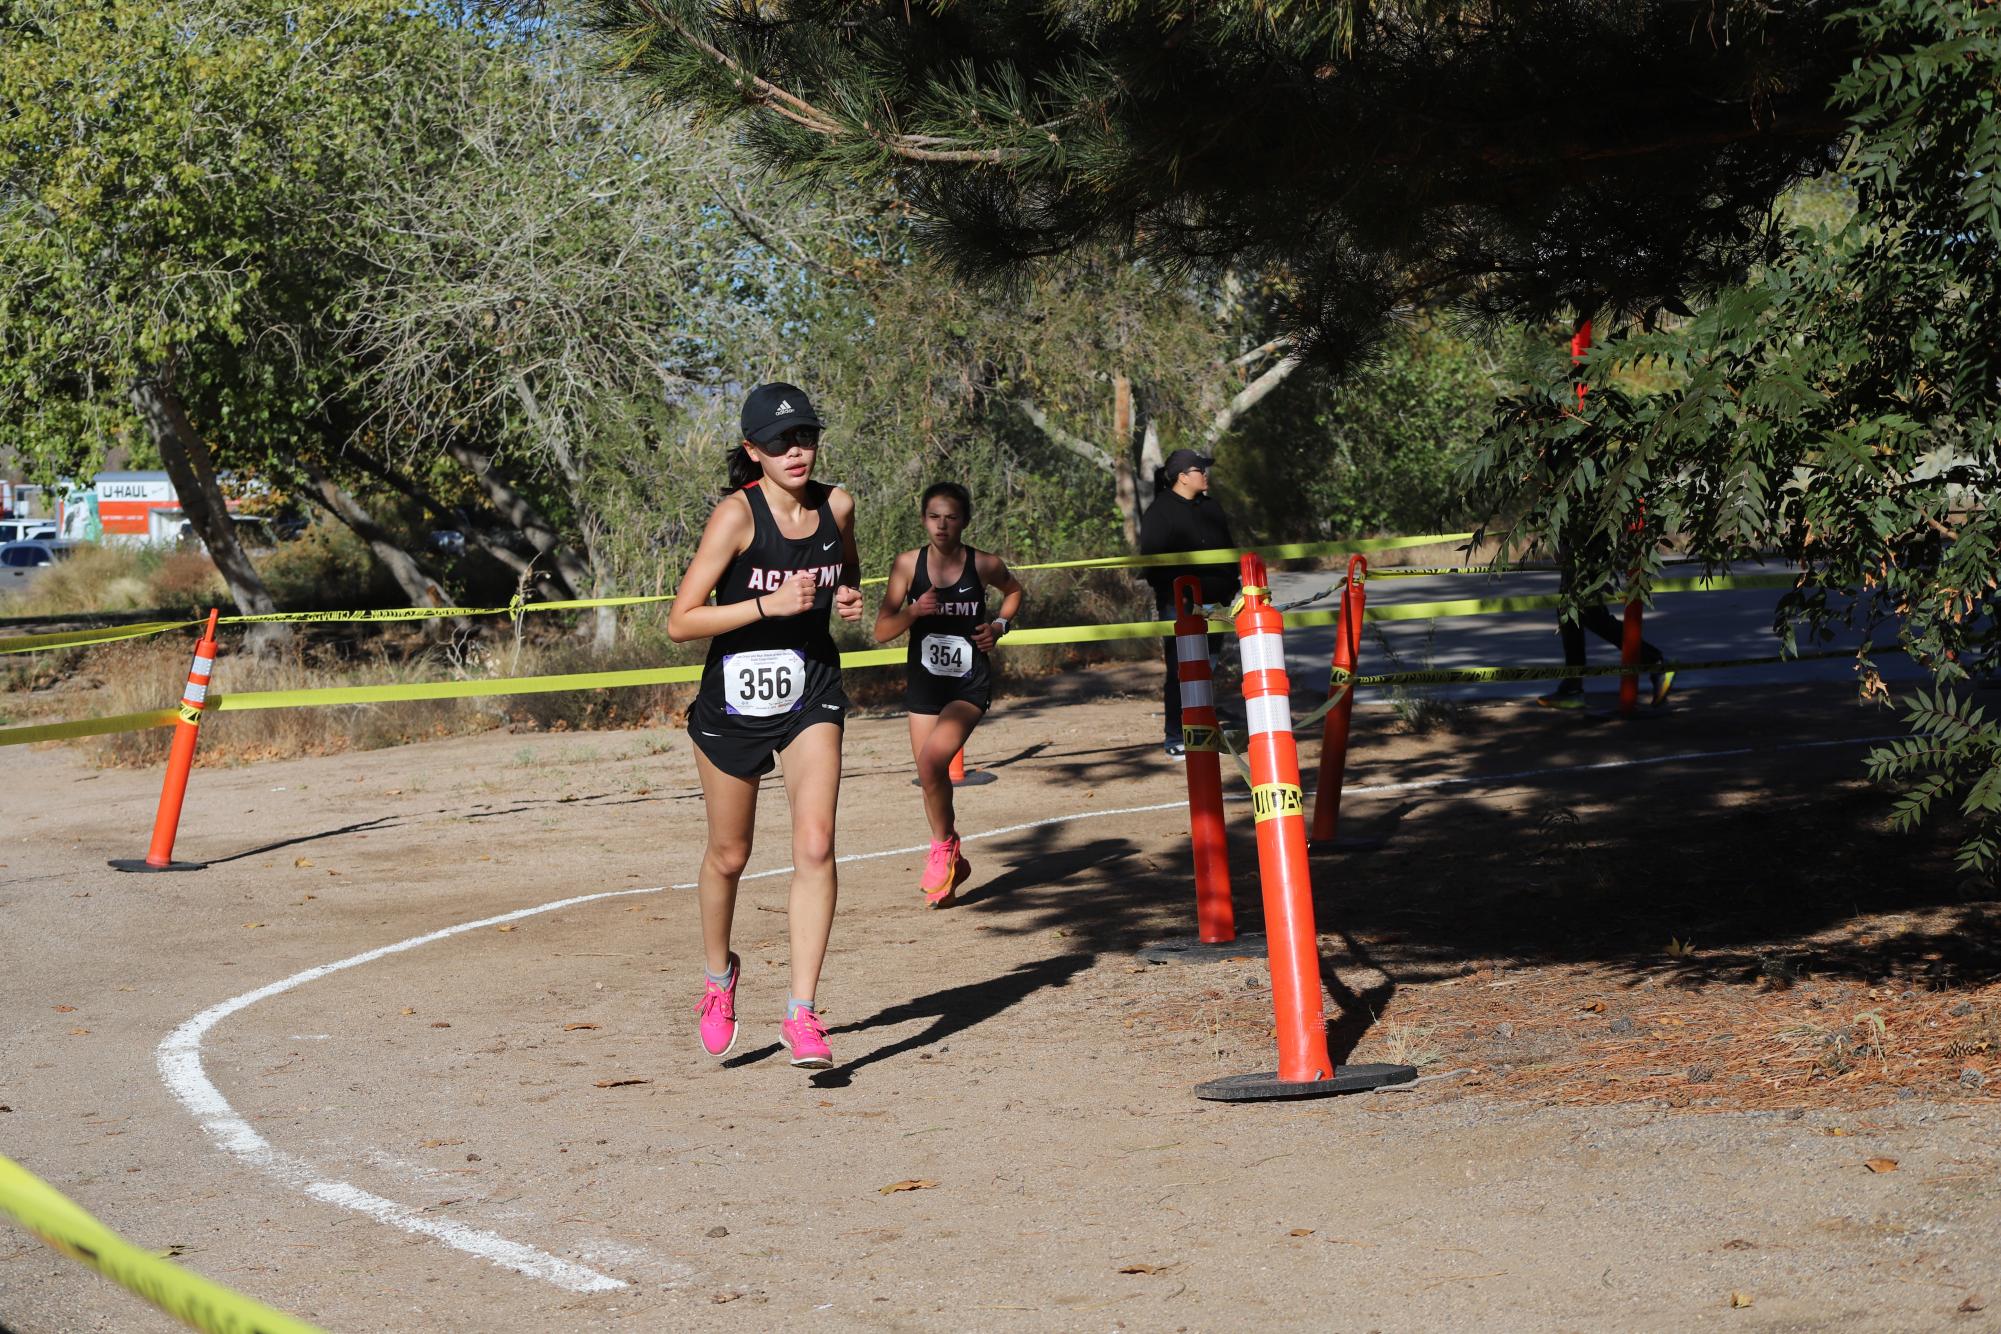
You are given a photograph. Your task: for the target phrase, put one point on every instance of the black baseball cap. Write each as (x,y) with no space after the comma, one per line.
(1181,460)
(775,408)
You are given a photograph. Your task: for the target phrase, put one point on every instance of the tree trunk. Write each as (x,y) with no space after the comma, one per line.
(1122,458)
(419,589)
(603,621)
(1150,461)
(570,572)
(192,469)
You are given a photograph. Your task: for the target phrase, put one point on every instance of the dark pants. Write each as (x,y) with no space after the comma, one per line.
(1170,693)
(1601,622)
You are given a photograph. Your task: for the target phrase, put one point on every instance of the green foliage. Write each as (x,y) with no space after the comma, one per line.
(1843,410)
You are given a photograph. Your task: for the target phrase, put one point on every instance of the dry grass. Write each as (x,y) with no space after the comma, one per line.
(113,579)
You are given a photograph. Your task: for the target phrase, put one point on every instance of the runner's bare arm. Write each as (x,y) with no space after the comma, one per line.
(889,620)
(727,533)
(848,597)
(994,573)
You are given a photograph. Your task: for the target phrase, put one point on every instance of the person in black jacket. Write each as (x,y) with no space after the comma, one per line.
(1184,518)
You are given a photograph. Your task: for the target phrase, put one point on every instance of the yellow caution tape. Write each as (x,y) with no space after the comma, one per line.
(122,722)
(193,1300)
(1198,738)
(66,638)
(1067,634)
(1274,801)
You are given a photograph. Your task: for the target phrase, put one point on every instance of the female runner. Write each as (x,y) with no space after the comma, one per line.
(777,553)
(939,594)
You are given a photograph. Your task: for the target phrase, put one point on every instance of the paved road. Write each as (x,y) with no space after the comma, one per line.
(1688,626)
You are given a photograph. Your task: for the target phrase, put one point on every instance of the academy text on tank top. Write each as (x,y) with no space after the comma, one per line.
(942,644)
(760,673)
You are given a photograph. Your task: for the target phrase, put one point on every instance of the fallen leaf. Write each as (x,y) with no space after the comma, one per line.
(571,1028)
(620,1083)
(393,792)
(1739,1244)
(1594,1007)
(895,1186)
(1974,1302)
(65,1009)
(1144,1269)
(441,1143)
(172,1249)
(302,861)
(720,1297)
(1680,949)
(508,927)
(1839,1132)
(1300,1232)
(1881,1164)
(408,1010)
(252,926)
(79,1032)
(439,1023)
(1739,1300)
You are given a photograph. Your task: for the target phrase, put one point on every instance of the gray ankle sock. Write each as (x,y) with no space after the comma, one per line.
(722,981)
(795,1005)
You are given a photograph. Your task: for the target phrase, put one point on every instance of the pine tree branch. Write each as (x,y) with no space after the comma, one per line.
(801,112)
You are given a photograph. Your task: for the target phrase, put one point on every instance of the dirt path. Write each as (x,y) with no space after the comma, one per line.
(1014,1053)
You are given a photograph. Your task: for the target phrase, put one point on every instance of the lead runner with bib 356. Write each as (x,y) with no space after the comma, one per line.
(939,594)
(777,555)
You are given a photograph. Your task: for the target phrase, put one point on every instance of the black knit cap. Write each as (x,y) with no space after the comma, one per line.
(773,409)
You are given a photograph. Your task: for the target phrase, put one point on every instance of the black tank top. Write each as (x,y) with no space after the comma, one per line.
(942,645)
(760,674)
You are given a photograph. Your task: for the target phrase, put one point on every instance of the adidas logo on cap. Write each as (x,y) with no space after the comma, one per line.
(784,406)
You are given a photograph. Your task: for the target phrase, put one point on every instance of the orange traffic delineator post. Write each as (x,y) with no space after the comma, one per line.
(1629,658)
(180,759)
(961,776)
(1201,739)
(1334,735)
(1305,1069)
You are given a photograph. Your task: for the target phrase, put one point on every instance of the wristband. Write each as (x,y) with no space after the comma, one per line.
(1000,626)
(760,606)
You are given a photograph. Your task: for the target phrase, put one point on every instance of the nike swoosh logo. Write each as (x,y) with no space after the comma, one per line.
(706,732)
(829,546)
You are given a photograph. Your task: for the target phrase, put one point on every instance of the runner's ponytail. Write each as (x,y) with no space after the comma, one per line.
(743,469)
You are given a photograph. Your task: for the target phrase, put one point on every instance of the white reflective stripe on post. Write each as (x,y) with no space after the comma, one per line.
(1191,648)
(1198,694)
(1268,713)
(195,693)
(202,666)
(1262,653)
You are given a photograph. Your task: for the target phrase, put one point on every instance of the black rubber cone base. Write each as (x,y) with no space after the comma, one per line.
(140,864)
(1270,1088)
(1190,950)
(1347,845)
(973,778)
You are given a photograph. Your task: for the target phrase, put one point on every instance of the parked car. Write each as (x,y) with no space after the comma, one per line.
(26,530)
(21,562)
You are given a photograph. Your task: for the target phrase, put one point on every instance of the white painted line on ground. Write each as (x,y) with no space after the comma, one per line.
(180,1059)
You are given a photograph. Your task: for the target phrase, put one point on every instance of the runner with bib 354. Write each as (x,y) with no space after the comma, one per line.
(778,554)
(938,593)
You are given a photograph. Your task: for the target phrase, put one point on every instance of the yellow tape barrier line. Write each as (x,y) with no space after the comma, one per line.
(1553,671)
(1067,634)
(65,638)
(122,722)
(193,1300)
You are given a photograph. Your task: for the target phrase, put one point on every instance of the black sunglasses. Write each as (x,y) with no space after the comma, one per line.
(804,437)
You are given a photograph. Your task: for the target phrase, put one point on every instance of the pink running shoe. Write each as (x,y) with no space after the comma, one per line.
(806,1038)
(718,1012)
(944,871)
